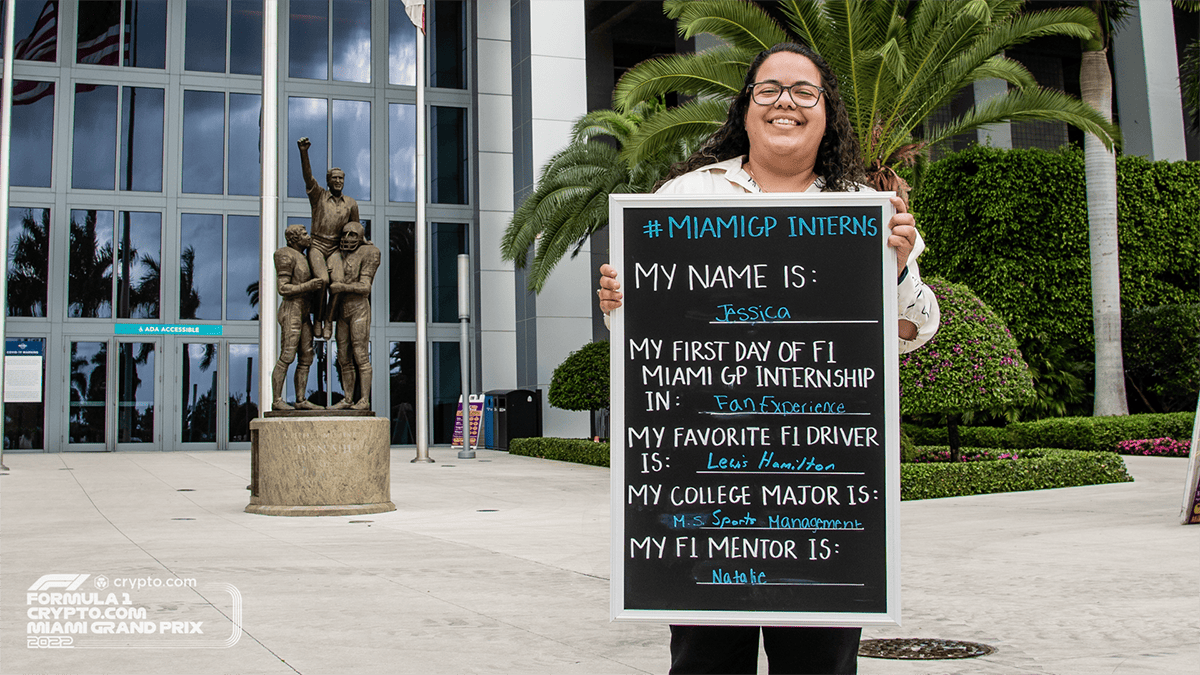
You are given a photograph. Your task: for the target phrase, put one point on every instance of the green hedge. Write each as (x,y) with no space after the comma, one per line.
(578,450)
(1100,433)
(1078,433)
(1037,469)
(1012,225)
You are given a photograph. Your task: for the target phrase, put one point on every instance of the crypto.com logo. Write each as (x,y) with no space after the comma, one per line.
(67,582)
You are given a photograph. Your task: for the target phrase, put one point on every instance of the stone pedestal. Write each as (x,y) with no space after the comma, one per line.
(320,466)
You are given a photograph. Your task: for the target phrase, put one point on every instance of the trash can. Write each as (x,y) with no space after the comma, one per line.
(509,414)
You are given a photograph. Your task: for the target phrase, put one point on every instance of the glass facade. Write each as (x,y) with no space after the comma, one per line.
(135,198)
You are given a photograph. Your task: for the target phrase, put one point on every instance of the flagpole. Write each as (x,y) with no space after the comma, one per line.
(422,366)
(6,141)
(269,215)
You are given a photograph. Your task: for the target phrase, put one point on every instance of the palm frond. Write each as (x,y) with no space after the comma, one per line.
(684,124)
(1030,105)
(715,72)
(741,24)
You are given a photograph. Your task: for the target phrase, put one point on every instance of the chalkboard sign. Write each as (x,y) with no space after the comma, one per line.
(756,460)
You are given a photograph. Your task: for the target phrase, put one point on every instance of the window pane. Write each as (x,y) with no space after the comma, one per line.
(245,163)
(203,142)
(308,40)
(146,28)
(139,255)
(448,42)
(89,285)
(352,146)
(402,152)
(315,388)
(200,266)
(245,37)
(243,391)
(449,240)
(205,36)
(402,384)
(402,45)
(24,421)
(32,133)
(307,117)
(199,393)
(93,156)
(142,139)
(449,143)
(402,271)
(89,392)
(241,283)
(135,392)
(352,40)
(99,34)
(447,387)
(36,30)
(28,257)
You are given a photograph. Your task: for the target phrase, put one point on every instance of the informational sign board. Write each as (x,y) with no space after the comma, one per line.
(755,445)
(166,329)
(476,417)
(1190,514)
(23,368)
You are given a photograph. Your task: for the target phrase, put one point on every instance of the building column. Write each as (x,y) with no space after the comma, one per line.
(1146,83)
(549,94)
(494,112)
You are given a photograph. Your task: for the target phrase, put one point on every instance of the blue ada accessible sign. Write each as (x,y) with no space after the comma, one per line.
(166,329)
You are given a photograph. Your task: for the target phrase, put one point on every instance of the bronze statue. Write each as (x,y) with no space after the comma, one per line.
(360,260)
(295,283)
(331,210)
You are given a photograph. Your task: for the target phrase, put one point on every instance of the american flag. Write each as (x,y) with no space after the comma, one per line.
(99,33)
(42,41)
(40,45)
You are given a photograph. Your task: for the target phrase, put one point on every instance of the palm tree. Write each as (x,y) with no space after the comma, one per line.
(27,266)
(896,62)
(1100,166)
(90,283)
(570,202)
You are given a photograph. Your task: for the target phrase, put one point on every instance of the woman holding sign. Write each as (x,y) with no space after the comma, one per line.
(787,131)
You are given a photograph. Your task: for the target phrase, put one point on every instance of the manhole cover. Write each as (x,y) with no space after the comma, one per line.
(922,649)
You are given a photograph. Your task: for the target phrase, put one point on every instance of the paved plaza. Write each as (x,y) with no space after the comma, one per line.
(501,565)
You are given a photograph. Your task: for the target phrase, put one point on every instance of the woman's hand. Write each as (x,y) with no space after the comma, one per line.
(904,233)
(610,289)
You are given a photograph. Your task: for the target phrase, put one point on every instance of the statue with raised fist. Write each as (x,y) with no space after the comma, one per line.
(331,210)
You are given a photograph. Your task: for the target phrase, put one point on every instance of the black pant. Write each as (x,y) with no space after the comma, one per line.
(734,649)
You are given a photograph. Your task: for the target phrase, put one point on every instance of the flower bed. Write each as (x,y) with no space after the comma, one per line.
(1155,447)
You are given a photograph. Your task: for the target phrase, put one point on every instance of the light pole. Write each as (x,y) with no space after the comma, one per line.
(464,317)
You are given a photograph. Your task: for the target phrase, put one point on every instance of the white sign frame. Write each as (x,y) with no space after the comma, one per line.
(618,203)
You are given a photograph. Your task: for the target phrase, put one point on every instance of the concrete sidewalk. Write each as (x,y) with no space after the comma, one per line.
(501,565)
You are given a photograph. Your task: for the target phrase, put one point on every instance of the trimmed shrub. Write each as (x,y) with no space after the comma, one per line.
(1099,433)
(1037,469)
(1155,447)
(971,364)
(580,382)
(578,450)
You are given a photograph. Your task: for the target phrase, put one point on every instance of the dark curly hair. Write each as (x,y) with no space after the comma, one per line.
(838,160)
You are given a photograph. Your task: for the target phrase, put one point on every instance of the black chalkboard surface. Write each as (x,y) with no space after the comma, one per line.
(755,447)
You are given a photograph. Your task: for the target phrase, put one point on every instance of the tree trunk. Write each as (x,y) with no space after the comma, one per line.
(1100,164)
(952,436)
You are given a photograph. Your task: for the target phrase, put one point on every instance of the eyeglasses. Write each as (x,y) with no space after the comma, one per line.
(803,94)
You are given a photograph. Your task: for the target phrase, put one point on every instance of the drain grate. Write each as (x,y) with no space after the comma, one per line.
(922,649)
